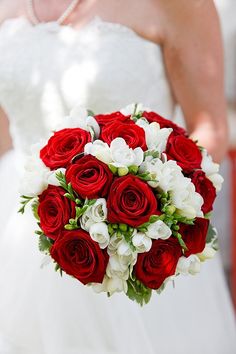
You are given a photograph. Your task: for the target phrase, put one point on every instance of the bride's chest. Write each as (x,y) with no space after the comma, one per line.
(100,57)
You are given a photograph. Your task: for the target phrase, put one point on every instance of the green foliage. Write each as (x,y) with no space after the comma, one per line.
(212,238)
(154,153)
(79,211)
(138,292)
(136,114)
(146,176)
(71,194)
(90,113)
(44,243)
(25,200)
(34,207)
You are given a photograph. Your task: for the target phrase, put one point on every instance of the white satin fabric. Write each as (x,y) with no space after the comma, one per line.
(44,71)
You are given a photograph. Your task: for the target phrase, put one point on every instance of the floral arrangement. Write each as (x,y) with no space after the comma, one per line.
(122,200)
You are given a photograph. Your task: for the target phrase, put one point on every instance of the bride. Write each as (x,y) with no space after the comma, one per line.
(105,54)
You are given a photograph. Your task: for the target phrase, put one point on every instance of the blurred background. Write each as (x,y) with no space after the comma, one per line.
(225,209)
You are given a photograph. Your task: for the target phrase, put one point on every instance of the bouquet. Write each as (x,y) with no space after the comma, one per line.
(122,200)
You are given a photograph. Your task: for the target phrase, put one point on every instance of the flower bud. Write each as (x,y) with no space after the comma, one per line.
(122,171)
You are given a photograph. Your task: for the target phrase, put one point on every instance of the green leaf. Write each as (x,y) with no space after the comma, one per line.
(34,207)
(25,200)
(44,243)
(138,292)
(181,241)
(90,113)
(133,169)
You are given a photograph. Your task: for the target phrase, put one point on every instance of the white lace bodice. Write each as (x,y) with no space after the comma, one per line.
(48,68)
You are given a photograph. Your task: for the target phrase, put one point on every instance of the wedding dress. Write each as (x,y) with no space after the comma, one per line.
(44,71)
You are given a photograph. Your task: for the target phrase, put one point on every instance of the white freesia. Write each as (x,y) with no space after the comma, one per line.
(118,247)
(185,198)
(111,285)
(128,110)
(118,267)
(123,248)
(99,233)
(100,150)
(96,213)
(78,118)
(123,156)
(157,230)
(211,170)
(189,265)
(156,138)
(119,154)
(165,174)
(207,253)
(217,181)
(141,242)
(168,177)
(52,176)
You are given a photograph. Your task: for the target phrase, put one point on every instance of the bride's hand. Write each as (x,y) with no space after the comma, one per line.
(194,61)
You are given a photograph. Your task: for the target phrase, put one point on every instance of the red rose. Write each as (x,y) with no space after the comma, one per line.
(89,177)
(54,211)
(78,255)
(164,123)
(104,119)
(184,151)
(194,236)
(130,132)
(63,146)
(204,187)
(130,201)
(153,267)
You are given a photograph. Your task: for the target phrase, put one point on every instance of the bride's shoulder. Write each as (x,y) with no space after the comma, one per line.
(10,9)
(182,13)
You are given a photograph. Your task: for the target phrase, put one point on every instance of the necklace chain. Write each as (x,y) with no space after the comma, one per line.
(35,20)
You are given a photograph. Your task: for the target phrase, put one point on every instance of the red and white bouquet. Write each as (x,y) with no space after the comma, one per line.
(122,200)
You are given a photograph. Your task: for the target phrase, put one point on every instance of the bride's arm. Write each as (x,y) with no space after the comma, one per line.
(193,56)
(5,139)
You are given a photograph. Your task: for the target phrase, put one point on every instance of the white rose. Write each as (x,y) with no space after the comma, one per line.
(100,150)
(157,230)
(141,242)
(189,265)
(156,138)
(99,233)
(94,214)
(123,156)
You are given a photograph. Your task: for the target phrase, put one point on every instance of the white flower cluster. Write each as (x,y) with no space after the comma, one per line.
(211,170)
(168,177)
